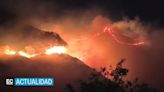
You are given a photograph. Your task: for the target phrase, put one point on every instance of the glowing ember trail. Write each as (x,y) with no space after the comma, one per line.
(112,33)
(55,49)
(81,53)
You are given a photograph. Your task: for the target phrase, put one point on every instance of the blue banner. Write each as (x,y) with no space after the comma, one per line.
(33,81)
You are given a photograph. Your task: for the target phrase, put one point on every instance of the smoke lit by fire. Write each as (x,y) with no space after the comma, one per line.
(112,33)
(72,50)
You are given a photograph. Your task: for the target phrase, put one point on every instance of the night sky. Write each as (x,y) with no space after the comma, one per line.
(148,10)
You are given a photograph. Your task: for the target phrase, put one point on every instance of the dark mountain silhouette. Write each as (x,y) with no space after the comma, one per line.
(64,68)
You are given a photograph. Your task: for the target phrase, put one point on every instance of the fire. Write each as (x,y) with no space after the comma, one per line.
(29,52)
(9,52)
(22,53)
(55,49)
(111,32)
(49,51)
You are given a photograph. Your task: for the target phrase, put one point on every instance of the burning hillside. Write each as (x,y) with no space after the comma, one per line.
(30,42)
(31,52)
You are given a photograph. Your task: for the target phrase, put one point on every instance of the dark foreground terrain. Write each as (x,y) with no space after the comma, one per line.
(65,69)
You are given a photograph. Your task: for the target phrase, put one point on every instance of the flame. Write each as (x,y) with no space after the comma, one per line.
(9,52)
(111,32)
(22,53)
(55,49)
(49,51)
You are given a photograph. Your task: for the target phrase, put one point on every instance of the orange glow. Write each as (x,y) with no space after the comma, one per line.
(56,49)
(24,54)
(51,50)
(112,33)
(9,52)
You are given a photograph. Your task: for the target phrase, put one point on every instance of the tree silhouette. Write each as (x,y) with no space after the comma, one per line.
(112,80)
